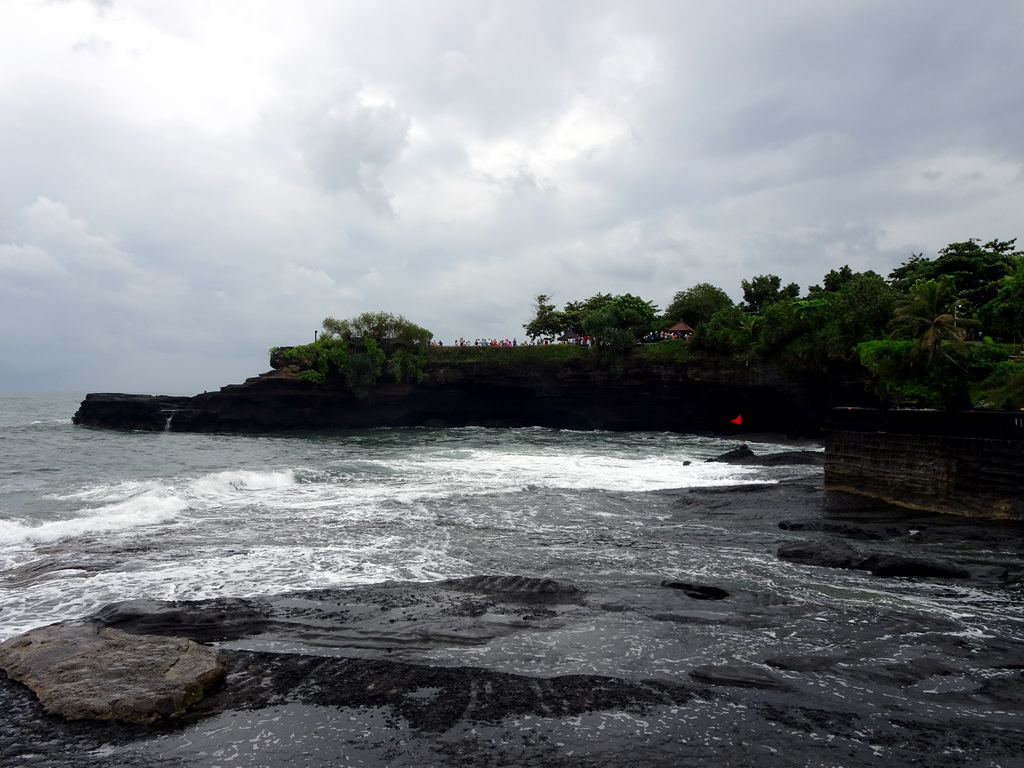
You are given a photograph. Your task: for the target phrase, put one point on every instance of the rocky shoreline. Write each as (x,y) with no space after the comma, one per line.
(514,670)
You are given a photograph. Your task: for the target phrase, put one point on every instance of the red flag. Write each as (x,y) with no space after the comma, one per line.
(737,420)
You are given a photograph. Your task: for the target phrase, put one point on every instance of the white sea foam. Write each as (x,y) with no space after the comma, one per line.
(231,483)
(149,507)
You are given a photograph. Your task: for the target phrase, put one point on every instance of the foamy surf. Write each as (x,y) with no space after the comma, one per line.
(149,507)
(236,482)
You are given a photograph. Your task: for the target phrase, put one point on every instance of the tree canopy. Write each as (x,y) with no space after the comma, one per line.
(359,350)
(695,305)
(974,270)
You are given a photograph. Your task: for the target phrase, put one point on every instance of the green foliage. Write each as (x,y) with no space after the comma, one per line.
(697,304)
(929,314)
(389,331)
(974,270)
(609,319)
(1003,316)
(574,312)
(833,281)
(669,351)
(360,349)
(1002,388)
(764,290)
(546,321)
(945,382)
(317,360)
(620,323)
(858,310)
(729,331)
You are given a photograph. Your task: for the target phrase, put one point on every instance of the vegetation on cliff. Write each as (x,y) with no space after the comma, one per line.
(936,332)
(362,350)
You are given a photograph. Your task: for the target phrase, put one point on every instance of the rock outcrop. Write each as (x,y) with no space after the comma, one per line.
(570,394)
(82,671)
(839,554)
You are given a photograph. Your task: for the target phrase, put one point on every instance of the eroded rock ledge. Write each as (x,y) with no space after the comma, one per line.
(573,394)
(514,670)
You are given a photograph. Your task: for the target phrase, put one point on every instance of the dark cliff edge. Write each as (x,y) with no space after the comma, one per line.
(572,394)
(967,463)
(963,463)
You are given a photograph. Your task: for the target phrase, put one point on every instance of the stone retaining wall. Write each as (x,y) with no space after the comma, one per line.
(954,463)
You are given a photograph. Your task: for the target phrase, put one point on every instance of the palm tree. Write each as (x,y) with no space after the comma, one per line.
(929,313)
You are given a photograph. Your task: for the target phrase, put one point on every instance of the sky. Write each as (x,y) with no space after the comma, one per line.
(185,184)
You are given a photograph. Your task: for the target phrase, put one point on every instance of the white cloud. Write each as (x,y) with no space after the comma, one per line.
(187,184)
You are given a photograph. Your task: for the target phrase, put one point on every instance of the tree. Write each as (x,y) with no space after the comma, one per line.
(390,331)
(361,348)
(946,383)
(697,304)
(546,321)
(730,331)
(860,309)
(575,312)
(765,290)
(833,281)
(975,270)
(928,314)
(1003,388)
(618,324)
(1003,316)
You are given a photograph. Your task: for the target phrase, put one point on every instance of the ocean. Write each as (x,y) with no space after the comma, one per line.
(88,517)
(860,669)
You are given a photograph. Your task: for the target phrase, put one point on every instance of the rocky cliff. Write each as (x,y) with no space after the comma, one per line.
(571,394)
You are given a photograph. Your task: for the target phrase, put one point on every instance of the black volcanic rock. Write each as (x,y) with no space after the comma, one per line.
(740,455)
(903,565)
(697,591)
(825,553)
(581,394)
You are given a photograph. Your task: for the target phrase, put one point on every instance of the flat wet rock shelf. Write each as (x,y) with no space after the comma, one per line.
(499,670)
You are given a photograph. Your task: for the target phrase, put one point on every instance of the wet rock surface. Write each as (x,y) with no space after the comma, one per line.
(81,671)
(675,669)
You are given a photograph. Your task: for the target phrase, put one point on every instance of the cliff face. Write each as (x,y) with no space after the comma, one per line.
(968,463)
(574,394)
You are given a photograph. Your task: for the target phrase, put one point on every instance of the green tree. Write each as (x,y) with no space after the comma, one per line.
(575,312)
(929,315)
(975,270)
(730,331)
(546,320)
(859,309)
(945,383)
(765,290)
(1003,316)
(833,281)
(359,350)
(390,331)
(1003,387)
(696,304)
(618,324)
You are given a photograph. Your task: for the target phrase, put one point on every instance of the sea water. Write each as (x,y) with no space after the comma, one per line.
(89,517)
(92,516)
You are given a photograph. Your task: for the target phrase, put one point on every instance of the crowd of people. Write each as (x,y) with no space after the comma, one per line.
(583,341)
(507,342)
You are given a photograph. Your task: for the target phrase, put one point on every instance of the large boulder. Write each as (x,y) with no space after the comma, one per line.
(825,553)
(904,565)
(87,672)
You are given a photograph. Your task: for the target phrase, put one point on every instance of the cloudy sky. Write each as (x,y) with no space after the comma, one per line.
(186,183)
